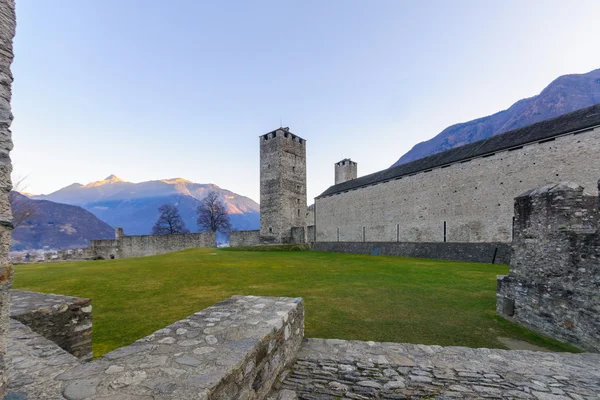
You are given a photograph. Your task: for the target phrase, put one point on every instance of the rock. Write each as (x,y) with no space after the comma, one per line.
(188,360)
(81,389)
(371,384)
(394,385)
(286,394)
(114,369)
(129,378)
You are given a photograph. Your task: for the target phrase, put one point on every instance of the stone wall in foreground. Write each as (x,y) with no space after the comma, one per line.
(497,253)
(150,245)
(65,320)
(553,286)
(7,32)
(233,350)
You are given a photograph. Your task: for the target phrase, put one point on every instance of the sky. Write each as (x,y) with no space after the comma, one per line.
(154,89)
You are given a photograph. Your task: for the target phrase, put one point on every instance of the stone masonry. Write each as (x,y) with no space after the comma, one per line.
(352,370)
(149,245)
(491,253)
(553,286)
(251,348)
(7,32)
(244,238)
(65,320)
(232,350)
(282,185)
(472,198)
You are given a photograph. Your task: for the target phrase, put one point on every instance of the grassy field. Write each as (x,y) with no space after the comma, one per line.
(346,296)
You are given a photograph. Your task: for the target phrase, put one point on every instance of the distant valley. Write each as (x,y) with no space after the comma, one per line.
(134,206)
(54,225)
(565,94)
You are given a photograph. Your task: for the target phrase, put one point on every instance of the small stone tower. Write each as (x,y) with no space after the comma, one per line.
(282,185)
(345,170)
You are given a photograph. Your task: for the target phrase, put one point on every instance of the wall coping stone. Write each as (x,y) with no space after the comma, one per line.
(65,320)
(331,368)
(234,349)
(25,302)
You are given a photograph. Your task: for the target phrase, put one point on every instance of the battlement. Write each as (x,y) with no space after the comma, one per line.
(345,161)
(282,133)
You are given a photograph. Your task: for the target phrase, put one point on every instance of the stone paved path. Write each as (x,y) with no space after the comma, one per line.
(337,369)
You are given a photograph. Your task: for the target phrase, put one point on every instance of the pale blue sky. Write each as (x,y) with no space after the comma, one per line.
(156,89)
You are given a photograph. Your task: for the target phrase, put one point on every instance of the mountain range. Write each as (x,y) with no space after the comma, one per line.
(565,94)
(55,225)
(134,206)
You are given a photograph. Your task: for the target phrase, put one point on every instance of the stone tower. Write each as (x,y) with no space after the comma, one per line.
(345,170)
(282,185)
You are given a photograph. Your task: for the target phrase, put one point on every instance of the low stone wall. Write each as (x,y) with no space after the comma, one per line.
(337,369)
(65,320)
(150,245)
(497,253)
(553,286)
(232,350)
(244,238)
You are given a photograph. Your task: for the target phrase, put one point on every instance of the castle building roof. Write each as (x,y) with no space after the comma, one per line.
(580,120)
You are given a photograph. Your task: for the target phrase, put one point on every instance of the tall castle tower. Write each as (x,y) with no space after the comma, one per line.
(345,170)
(282,185)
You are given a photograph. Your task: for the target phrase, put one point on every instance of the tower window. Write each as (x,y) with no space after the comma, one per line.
(298,212)
(293,169)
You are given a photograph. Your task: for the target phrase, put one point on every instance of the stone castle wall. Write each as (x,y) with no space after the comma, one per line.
(492,253)
(244,238)
(150,245)
(282,185)
(553,286)
(473,198)
(7,32)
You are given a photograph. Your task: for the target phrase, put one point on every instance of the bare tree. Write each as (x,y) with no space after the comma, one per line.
(169,221)
(23,208)
(212,214)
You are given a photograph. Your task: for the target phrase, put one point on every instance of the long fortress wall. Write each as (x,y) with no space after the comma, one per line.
(150,245)
(467,201)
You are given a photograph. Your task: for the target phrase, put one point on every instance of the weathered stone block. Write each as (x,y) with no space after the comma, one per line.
(65,320)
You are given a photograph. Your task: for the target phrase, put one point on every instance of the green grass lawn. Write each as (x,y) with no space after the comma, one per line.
(390,299)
